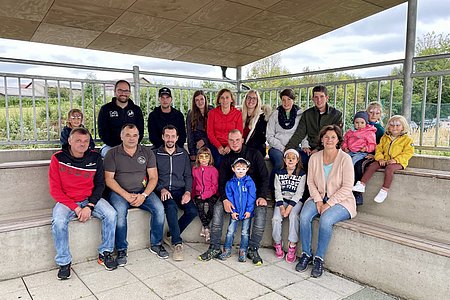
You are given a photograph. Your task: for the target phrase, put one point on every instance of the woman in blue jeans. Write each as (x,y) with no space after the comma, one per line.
(330,181)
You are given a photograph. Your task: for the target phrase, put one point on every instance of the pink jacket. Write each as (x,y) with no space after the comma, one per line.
(220,124)
(355,140)
(205,181)
(340,181)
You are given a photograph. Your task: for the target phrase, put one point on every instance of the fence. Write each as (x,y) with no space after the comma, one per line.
(33,107)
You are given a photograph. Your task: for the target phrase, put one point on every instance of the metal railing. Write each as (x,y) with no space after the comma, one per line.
(33,107)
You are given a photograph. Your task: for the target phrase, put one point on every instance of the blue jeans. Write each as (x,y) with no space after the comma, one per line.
(259,224)
(244,234)
(60,228)
(276,157)
(151,204)
(177,226)
(357,156)
(331,216)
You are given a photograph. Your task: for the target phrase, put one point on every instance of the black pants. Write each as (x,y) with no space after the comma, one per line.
(204,215)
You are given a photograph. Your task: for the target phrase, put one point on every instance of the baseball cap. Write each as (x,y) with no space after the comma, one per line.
(241,160)
(163,91)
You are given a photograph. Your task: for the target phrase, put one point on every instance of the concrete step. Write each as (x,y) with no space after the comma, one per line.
(417,196)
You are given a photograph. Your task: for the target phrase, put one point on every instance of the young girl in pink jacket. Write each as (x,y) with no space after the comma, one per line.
(205,182)
(361,140)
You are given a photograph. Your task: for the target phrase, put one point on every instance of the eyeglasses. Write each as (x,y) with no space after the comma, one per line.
(204,156)
(252,98)
(120,91)
(76,117)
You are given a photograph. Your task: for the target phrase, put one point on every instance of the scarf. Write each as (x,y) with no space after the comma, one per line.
(284,122)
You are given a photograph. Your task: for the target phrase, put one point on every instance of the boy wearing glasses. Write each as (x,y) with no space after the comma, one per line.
(115,114)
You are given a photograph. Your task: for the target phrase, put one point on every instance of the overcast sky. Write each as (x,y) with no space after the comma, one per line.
(377,38)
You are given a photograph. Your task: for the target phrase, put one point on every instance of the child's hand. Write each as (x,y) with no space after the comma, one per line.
(234,216)
(282,210)
(246,215)
(391,161)
(287,211)
(382,162)
(363,149)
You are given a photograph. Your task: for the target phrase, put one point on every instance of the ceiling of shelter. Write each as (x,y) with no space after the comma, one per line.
(216,32)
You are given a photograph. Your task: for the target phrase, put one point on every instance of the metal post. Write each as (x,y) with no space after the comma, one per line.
(136,80)
(409,55)
(238,84)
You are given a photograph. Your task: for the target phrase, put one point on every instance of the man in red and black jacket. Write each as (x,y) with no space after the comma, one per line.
(77,181)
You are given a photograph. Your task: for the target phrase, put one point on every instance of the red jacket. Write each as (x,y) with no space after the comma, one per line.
(74,180)
(205,181)
(219,125)
(354,140)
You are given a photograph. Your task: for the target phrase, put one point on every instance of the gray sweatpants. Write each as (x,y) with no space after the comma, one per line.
(294,223)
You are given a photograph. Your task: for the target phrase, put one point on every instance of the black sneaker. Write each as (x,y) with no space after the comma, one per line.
(303,263)
(210,254)
(64,272)
(159,251)
(107,260)
(317,269)
(122,258)
(254,256)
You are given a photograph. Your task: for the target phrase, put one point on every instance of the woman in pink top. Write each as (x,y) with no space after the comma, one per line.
(330,181)
(221,120)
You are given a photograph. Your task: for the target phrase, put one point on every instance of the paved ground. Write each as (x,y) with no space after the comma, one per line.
(147,277)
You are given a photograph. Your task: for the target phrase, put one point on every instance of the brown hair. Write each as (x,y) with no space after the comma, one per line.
(196,114)
(321,89)
(71,112)
(223,91)
(289,93)
(204,150)
(334,128)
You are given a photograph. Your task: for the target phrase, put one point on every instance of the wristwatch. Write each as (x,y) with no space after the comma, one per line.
(145,195)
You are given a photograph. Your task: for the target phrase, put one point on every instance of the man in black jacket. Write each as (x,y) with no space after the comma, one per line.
(164,115)
(115,114)
(258,172)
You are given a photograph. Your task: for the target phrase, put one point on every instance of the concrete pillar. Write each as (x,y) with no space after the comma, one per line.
(238,84)
(137,85)
(409,55)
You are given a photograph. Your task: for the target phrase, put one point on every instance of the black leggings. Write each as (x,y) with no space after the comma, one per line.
(205,216)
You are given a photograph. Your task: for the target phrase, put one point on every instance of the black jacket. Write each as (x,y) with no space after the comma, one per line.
(157,120)
(257,138)
(258,171)
(310,124)
(112,117)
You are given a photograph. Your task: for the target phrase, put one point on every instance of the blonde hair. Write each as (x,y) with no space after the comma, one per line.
(70,113)
(204,150)
(255,115)
(402,120)
(375,104)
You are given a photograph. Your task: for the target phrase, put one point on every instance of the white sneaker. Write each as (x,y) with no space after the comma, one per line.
(381,196)
(359,187)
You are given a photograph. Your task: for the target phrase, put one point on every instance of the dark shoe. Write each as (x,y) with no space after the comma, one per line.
(253,255)
(121,258)
(64,272)
(160,251)
(210,254)
(107,260)
(359,198)
(317,269)
(303,263)
(226,253)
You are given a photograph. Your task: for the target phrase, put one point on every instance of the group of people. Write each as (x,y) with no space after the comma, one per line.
(315,168)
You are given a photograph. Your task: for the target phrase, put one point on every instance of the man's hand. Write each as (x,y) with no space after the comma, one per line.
(307,151)
(186,197)
(138,200)
(228,206)
(165,195)
(247,215)
(234,216)
(85,214)
(260,202)
(200,144)
(130,197)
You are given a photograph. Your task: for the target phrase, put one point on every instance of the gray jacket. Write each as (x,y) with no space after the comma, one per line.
(277,136)
(174,171)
